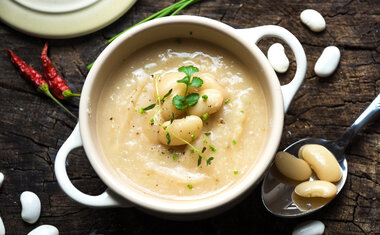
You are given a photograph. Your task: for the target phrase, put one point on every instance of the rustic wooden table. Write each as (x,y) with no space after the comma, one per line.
(33,128)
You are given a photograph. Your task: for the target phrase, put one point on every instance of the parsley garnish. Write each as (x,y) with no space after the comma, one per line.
(212,148)
(234,141)
(183,102)
(236,172)
(189,186)
(204,97)
(227,100)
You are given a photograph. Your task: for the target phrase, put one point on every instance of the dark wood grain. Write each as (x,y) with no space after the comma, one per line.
(33,128)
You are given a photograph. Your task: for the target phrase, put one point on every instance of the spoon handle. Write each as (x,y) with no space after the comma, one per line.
(363,119)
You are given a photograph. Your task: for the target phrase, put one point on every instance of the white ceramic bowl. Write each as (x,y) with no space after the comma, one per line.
(241,43)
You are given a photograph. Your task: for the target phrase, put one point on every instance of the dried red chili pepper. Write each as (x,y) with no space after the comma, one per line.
(34,77)
(56,83)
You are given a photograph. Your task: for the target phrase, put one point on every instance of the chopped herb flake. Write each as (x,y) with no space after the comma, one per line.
(191,150)
(204,149)
(152,120)
(171,120)
(175,156)
(204,141)
(204,116)
(189,186)
(227,101)
(212,148)
(236,172)
(234,141)
(208,161)
(168,138)
(208,133)
(192,136)
(204,97)
(199,159)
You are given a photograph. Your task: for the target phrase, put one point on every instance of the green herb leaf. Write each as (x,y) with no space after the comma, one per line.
(234,141)
(191,150)
(185,80)
(167,94)
(142,110)
(196,82)
(204,97)
(192,99)
(236,172)
(192,136)
(188,70)
(208,133)
(171,120)
(175,156)
(189,186)
(168,138)
(212,148)
(199,159)
(204,149)
(179,102)
(204,116)
(227,101)
(208,161)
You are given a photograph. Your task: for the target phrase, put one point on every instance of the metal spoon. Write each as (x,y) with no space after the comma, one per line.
(276,190)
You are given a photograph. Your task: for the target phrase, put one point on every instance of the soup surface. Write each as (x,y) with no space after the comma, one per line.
(233,136)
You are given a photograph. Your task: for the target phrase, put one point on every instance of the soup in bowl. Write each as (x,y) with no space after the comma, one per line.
(181,116)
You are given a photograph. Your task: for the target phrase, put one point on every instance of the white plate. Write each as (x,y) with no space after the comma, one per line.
(61,18)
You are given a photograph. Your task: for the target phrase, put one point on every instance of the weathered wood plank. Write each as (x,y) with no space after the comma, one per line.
(33,127)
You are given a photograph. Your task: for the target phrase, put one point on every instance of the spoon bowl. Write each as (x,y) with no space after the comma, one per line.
(277,191)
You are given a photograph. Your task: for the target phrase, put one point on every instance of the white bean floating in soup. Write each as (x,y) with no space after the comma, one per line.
(44,230)
(165,83)
(327,62)
(209,82)
(1,179)
(313,19)
(2,227)
(277,58)
(310,227)
(31,207)
(187,128)
(292,167)
(211,103)
(316,188)
(322,161)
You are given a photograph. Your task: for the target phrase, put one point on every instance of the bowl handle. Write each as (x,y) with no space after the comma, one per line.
(106,199)
(258,33)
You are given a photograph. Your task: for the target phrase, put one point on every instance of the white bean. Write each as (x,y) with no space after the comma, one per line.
(31,207)
(277,58)
(187,128)
(292,167)
(310,227)
(313,19)
(316,188)
(209,82)
(44,230)
(2,227)
(207,106)
(169,81)
(327,62)
(1,179)
(322,161)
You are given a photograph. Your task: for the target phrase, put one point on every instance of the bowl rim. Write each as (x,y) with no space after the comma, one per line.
(219,199)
